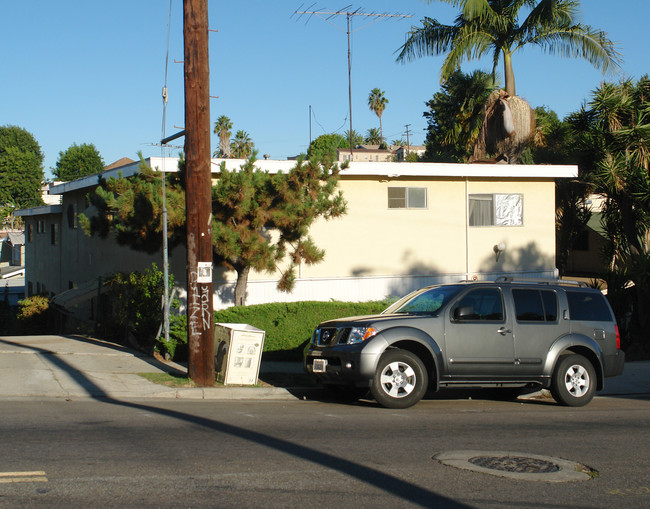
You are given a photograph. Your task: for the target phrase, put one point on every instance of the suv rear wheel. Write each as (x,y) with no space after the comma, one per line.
(400,380)
(574,381)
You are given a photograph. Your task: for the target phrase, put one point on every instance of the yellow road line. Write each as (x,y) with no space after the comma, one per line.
(14,477)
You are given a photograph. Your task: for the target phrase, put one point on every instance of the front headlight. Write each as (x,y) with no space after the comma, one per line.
(360,334)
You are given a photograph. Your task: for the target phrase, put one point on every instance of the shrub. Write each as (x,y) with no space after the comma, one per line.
(176,347)
(33,315)
(132,312)
(289,325)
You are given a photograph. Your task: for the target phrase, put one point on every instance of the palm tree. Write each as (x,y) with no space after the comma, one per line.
(241,146)
(222,127)
(610,136)
(377,102)
(493,27)
(356,138)
(373,137)
(454,116)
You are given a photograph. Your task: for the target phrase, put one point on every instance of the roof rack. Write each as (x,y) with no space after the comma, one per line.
(563,282)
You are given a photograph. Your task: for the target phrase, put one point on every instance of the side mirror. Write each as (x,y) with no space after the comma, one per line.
(463,313)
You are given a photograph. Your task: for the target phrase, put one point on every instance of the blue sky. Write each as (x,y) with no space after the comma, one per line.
(92,71)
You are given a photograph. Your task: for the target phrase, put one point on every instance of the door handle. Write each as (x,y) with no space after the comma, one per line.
(503,331)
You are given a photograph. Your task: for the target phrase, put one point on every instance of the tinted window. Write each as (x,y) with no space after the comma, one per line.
(528,305)
(549,299)
(535,305)
(482,304)
(588,306)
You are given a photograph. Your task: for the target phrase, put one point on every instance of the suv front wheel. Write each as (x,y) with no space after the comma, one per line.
(574,381)
(400,380)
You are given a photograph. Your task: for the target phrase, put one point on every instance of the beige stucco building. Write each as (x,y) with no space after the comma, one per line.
(408,224)
(365,153)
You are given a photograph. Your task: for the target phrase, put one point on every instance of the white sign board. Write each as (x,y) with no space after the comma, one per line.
(204,272)
(244,353)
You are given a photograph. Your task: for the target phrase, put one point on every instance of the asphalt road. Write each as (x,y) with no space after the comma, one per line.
(85,453)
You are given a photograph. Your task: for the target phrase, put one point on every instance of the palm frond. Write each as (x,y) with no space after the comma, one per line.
(580,41)
(432,38)
(470,44)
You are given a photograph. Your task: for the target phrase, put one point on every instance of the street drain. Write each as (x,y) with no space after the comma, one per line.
(519,464)
(529,467)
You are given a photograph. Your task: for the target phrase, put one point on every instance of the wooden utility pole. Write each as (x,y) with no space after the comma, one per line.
(408,141)
(198,193)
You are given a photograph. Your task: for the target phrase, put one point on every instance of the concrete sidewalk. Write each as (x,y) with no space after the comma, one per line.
(78,367)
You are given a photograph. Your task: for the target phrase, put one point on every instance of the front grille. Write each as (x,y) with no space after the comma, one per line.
(329,336)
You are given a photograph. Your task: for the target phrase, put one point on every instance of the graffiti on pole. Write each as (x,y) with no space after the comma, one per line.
(200,316)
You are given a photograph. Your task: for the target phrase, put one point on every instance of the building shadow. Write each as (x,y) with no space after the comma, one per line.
(524,260)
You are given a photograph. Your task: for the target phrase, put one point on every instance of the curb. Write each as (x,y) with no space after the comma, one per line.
(189,394)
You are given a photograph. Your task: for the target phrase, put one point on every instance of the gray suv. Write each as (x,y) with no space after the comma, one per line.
(507,334)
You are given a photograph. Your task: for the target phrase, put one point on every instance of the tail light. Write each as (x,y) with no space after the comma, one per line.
(618,339)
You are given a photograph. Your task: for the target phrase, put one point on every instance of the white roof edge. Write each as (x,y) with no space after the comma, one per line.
(463,170)
(13,273)
(384,169)
(128,170)
(404,169)
(39,211)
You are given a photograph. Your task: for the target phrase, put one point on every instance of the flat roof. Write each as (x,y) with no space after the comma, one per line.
(39,211)
(355,168)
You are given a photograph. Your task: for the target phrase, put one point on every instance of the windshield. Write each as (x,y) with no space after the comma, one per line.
(425,301)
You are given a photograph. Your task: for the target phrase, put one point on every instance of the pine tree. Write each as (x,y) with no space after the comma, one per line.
(260,221)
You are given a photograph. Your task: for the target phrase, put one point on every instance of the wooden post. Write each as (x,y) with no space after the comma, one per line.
(198,193)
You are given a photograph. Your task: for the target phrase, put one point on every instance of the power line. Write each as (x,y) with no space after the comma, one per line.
(327,16)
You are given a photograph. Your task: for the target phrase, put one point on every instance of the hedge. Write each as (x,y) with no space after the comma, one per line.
(288,325)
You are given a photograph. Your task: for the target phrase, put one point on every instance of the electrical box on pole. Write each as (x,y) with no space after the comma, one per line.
(198,193)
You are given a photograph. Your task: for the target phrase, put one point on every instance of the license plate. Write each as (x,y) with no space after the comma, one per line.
(319,365)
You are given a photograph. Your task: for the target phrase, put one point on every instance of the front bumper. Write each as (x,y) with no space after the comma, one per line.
(346,364)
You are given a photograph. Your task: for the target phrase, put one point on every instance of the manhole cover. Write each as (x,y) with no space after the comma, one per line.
(529,467)
(519,464)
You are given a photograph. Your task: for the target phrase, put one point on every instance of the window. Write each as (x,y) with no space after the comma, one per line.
(535,305)
(72,215)
(407,197)
(588,306)
(484,304)
(54,231)
(549,299)
(30,232)
(496,210)
(425,301)
(40,226)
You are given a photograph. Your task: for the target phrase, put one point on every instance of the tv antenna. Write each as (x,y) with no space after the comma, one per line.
(349,13)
